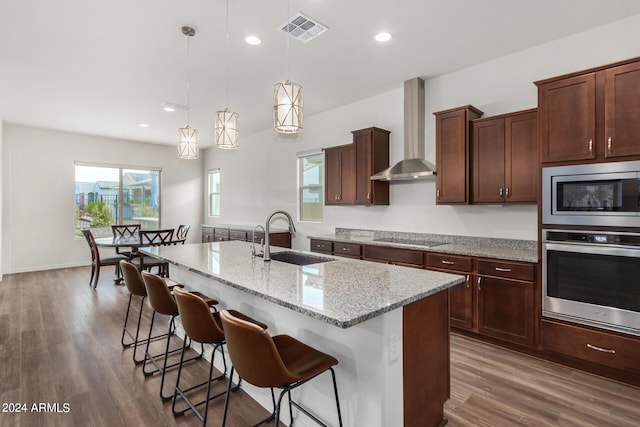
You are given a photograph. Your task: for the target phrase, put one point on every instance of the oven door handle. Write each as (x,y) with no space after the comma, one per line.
(585,248)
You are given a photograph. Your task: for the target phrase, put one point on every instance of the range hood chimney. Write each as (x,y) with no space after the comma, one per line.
(413,166)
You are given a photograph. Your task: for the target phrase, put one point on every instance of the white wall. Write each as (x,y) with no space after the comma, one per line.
(261,175)
(1,199)
(38,175)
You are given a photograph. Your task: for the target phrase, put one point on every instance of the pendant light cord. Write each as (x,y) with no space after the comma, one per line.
(288,37)
(227,59)
(188,81)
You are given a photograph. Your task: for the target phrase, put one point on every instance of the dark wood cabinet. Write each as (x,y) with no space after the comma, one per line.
(452,154)
(371,156)
(460,298)
(221,234)
(323,246)
(504,159)
(207,234)
(392,255)
(349,250)
(505,301)
(340,185)
(590,115)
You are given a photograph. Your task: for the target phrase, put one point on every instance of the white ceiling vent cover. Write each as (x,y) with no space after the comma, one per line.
(303,28)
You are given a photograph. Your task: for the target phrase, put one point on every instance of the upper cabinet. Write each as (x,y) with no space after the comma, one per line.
(348,169)
(504,159)
(590,115)
(452,154)
(372,156)
(340,186)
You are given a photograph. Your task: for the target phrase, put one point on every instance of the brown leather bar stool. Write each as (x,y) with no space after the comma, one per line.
(203,326)
(275,362)
(163,302)
(135,285)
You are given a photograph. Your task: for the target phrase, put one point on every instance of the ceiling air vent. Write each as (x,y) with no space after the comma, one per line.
(303,28)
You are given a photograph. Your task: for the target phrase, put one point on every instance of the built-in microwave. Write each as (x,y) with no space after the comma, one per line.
(598,194)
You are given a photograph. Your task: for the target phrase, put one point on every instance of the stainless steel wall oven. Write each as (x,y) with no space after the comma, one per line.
(592,277)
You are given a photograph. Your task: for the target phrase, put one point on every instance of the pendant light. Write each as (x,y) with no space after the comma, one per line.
(188,138)
(226,126)
(287,107)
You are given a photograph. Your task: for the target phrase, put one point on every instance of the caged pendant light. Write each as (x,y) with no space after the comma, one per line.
(188,138)
(226,125)
(287,107)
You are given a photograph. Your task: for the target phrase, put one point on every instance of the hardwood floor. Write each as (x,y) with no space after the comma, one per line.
(60,344)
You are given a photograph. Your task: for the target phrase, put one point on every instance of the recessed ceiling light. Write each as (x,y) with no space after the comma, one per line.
(252,40)
(143,125)
(383,37)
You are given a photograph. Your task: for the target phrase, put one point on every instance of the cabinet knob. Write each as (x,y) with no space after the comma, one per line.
(368,196)
(609,145)
(590,146)
(438,193)
(501,192)
(507,191)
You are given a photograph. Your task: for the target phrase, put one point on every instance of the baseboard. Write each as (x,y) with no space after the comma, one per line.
(48,267)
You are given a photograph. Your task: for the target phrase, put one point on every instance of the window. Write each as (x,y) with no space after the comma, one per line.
(214,192)
(311,185)
(115,195)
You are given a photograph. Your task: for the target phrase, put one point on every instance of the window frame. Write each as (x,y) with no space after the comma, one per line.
(121,168)
(301,186)
(211,193)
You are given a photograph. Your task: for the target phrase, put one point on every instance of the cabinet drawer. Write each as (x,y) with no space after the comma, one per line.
(237,235)
(347,249)
(508,270)
(599,347)
(325,246)
(404,257)
(449,262)
(258,237)
(221,232)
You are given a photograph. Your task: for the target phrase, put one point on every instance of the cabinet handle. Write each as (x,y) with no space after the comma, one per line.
(468,285)
(590,146)
(438,194)
(479,280)
(507,191)
(503,269)
(368,196)
(604,350)
(448,262)
(346,249)
(609,144)
(501,191)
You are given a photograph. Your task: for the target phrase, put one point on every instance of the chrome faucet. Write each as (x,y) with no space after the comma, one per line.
(253,240)
(292,229)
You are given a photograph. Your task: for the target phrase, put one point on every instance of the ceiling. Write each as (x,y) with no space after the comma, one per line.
(103,67)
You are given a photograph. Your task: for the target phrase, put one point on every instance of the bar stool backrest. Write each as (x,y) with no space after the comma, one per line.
(132,278)
(197,320)
(159,294)
(253,353)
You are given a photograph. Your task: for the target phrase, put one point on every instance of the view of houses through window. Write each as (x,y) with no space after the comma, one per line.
(311,186)
(115,195)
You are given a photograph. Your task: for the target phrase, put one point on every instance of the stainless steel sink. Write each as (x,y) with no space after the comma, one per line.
(298,259)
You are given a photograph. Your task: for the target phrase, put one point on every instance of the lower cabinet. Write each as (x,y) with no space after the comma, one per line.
(395,256)
(460,298)
(221,234)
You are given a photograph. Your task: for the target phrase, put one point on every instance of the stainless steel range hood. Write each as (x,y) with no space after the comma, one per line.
(413,166)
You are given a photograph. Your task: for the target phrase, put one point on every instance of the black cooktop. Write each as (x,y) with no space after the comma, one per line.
(408,241)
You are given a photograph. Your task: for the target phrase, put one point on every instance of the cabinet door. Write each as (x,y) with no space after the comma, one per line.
(505,309)
(488,160)
(622,110)
(371,156)
(461,305)
(521,158)
(339,175)
(567,115)
(452,154)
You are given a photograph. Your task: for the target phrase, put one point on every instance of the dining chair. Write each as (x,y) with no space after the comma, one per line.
(126,231)
(181,233)
(97,262)
(155,238)
(279,362)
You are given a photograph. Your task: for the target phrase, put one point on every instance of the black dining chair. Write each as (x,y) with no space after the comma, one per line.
(181,233)
(155,238)
(126,231)
(97,262)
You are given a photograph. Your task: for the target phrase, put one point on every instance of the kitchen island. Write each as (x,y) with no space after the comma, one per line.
(387,325)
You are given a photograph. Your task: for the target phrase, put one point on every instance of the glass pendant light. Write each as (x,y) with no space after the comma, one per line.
(226,125)
(287,106)
(188,138)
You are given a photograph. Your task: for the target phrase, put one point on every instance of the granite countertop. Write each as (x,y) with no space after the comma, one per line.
(505,249)
(342,292)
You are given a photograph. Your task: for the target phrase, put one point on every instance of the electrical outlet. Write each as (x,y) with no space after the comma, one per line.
(394,348)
